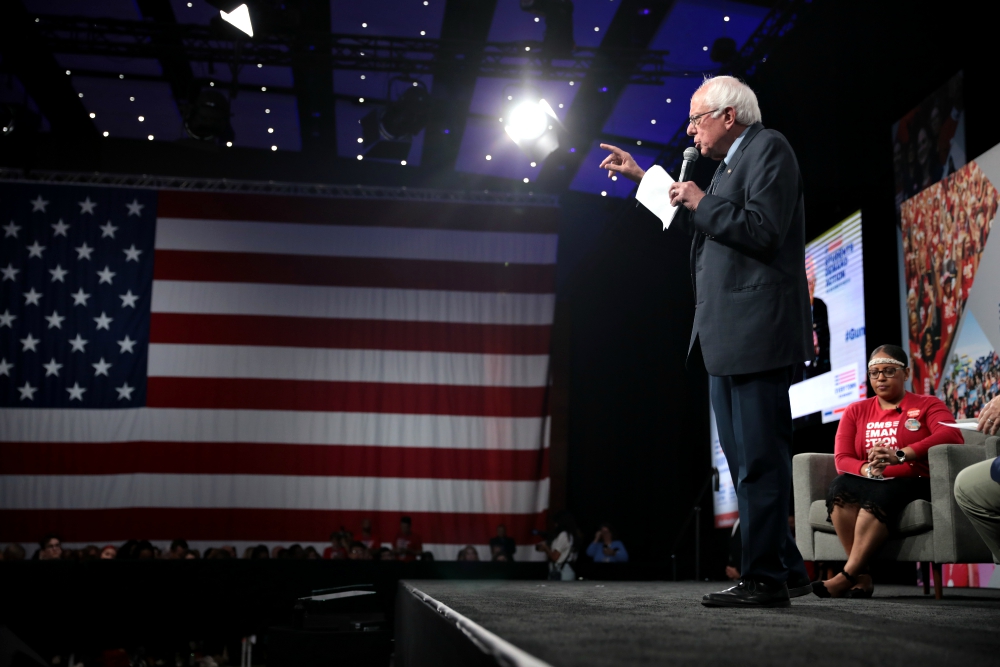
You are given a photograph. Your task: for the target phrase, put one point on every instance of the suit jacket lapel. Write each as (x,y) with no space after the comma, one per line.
(731,167)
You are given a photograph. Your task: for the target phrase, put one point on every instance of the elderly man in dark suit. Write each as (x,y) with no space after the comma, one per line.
(752,318)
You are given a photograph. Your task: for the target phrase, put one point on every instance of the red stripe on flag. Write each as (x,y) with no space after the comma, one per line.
(116,458)
(118,525)
(488,217)
(349,334)
(237,267)
(427,399)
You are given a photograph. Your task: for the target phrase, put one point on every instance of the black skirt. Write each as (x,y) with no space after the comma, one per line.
(886,499)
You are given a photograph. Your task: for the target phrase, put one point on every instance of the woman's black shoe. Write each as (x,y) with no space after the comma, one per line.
(820,589)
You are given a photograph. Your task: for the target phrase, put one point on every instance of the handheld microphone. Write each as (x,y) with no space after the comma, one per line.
(690,155)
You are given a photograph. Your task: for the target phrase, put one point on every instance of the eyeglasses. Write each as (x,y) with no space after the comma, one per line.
(696,119)
(888,372)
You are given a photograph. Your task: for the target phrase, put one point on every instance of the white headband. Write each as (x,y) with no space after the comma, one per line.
(886,360)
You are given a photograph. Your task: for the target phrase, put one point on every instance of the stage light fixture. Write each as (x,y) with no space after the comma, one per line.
(208,118)
(240,18)
(558,15)
(723,50)
(532,125)
(388,132)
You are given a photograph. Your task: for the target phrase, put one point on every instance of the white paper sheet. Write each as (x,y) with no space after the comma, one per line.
(966,426)
(654,194)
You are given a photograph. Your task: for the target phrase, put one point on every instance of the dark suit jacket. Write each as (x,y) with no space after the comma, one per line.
(748,262)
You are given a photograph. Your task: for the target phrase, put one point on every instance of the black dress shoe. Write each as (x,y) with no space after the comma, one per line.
(750,594)
(799,587)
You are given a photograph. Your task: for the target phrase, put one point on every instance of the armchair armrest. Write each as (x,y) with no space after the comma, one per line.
(955,540)
(811,477)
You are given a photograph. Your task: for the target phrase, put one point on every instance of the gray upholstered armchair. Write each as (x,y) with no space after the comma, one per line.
(936,532)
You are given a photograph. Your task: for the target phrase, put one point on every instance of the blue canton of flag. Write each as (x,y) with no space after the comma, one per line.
(75,290)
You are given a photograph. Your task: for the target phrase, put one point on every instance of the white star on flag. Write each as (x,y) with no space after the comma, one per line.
(75,392)
(135,208)
(35,250)
(11,229)
(29,343)
(101,367)
(39,204)
(106,275)
(80,297)
(108,230)
(5,367)
(78,344)
(58,274)
(126,344)
(55,319)
(125,392)
(27,392)
(10,273)
(132,253)
(6,319)
(128,299)
(59,229)
(52,368)
(103,322)
(83,252)
(87,206)
(31,297)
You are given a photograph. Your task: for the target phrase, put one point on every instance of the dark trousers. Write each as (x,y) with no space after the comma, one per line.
(755,430)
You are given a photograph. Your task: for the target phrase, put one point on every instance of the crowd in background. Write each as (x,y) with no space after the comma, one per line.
(561,548)
(971,385)
(945,228)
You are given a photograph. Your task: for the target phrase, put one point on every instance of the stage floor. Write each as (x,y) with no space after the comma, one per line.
(663,623)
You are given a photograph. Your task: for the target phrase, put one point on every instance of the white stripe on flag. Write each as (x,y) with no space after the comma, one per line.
(362,303)
(344,241)
(273,426)
(372,494)
(296,363)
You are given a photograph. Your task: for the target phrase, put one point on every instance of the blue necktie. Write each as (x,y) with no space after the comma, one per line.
(717,177)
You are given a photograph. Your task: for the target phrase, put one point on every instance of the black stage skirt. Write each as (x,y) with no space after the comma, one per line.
(883,498)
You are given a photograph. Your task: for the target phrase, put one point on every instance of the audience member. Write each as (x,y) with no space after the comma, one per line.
(408,544)
(884,437)
(368,537)
(358,551)
(560,551)
(109,552)
(90,552)
(311,553)
(49,548)
(500,557)
(336,550)
(502,543)
(259,552)
(13,551)
(192,554)
(385,553)
(177,549)
(605,548)
(296,552)
(468,552)
(277,551)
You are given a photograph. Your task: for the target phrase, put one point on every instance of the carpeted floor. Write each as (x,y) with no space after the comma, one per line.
(663,623)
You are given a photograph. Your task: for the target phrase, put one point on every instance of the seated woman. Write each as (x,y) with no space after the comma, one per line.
(881,454)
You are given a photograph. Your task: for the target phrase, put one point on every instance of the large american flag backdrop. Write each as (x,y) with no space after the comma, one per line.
(242,369)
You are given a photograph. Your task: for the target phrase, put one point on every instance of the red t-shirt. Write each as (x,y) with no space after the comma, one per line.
(865,425)
(372,542)
(411,542)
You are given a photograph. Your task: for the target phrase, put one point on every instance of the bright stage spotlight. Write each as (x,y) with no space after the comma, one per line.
(235,13)
(534,127)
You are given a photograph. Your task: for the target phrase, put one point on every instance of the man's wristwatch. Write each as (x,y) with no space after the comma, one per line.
(900,456)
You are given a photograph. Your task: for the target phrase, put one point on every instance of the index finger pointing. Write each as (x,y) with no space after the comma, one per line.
(614,149)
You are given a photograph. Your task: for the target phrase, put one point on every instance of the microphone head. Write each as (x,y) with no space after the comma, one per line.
(690,154)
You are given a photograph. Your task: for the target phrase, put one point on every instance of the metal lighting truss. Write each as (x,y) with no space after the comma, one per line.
(277,188)
(415,56)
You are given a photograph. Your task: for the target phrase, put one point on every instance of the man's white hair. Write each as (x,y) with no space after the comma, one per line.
(728,91)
